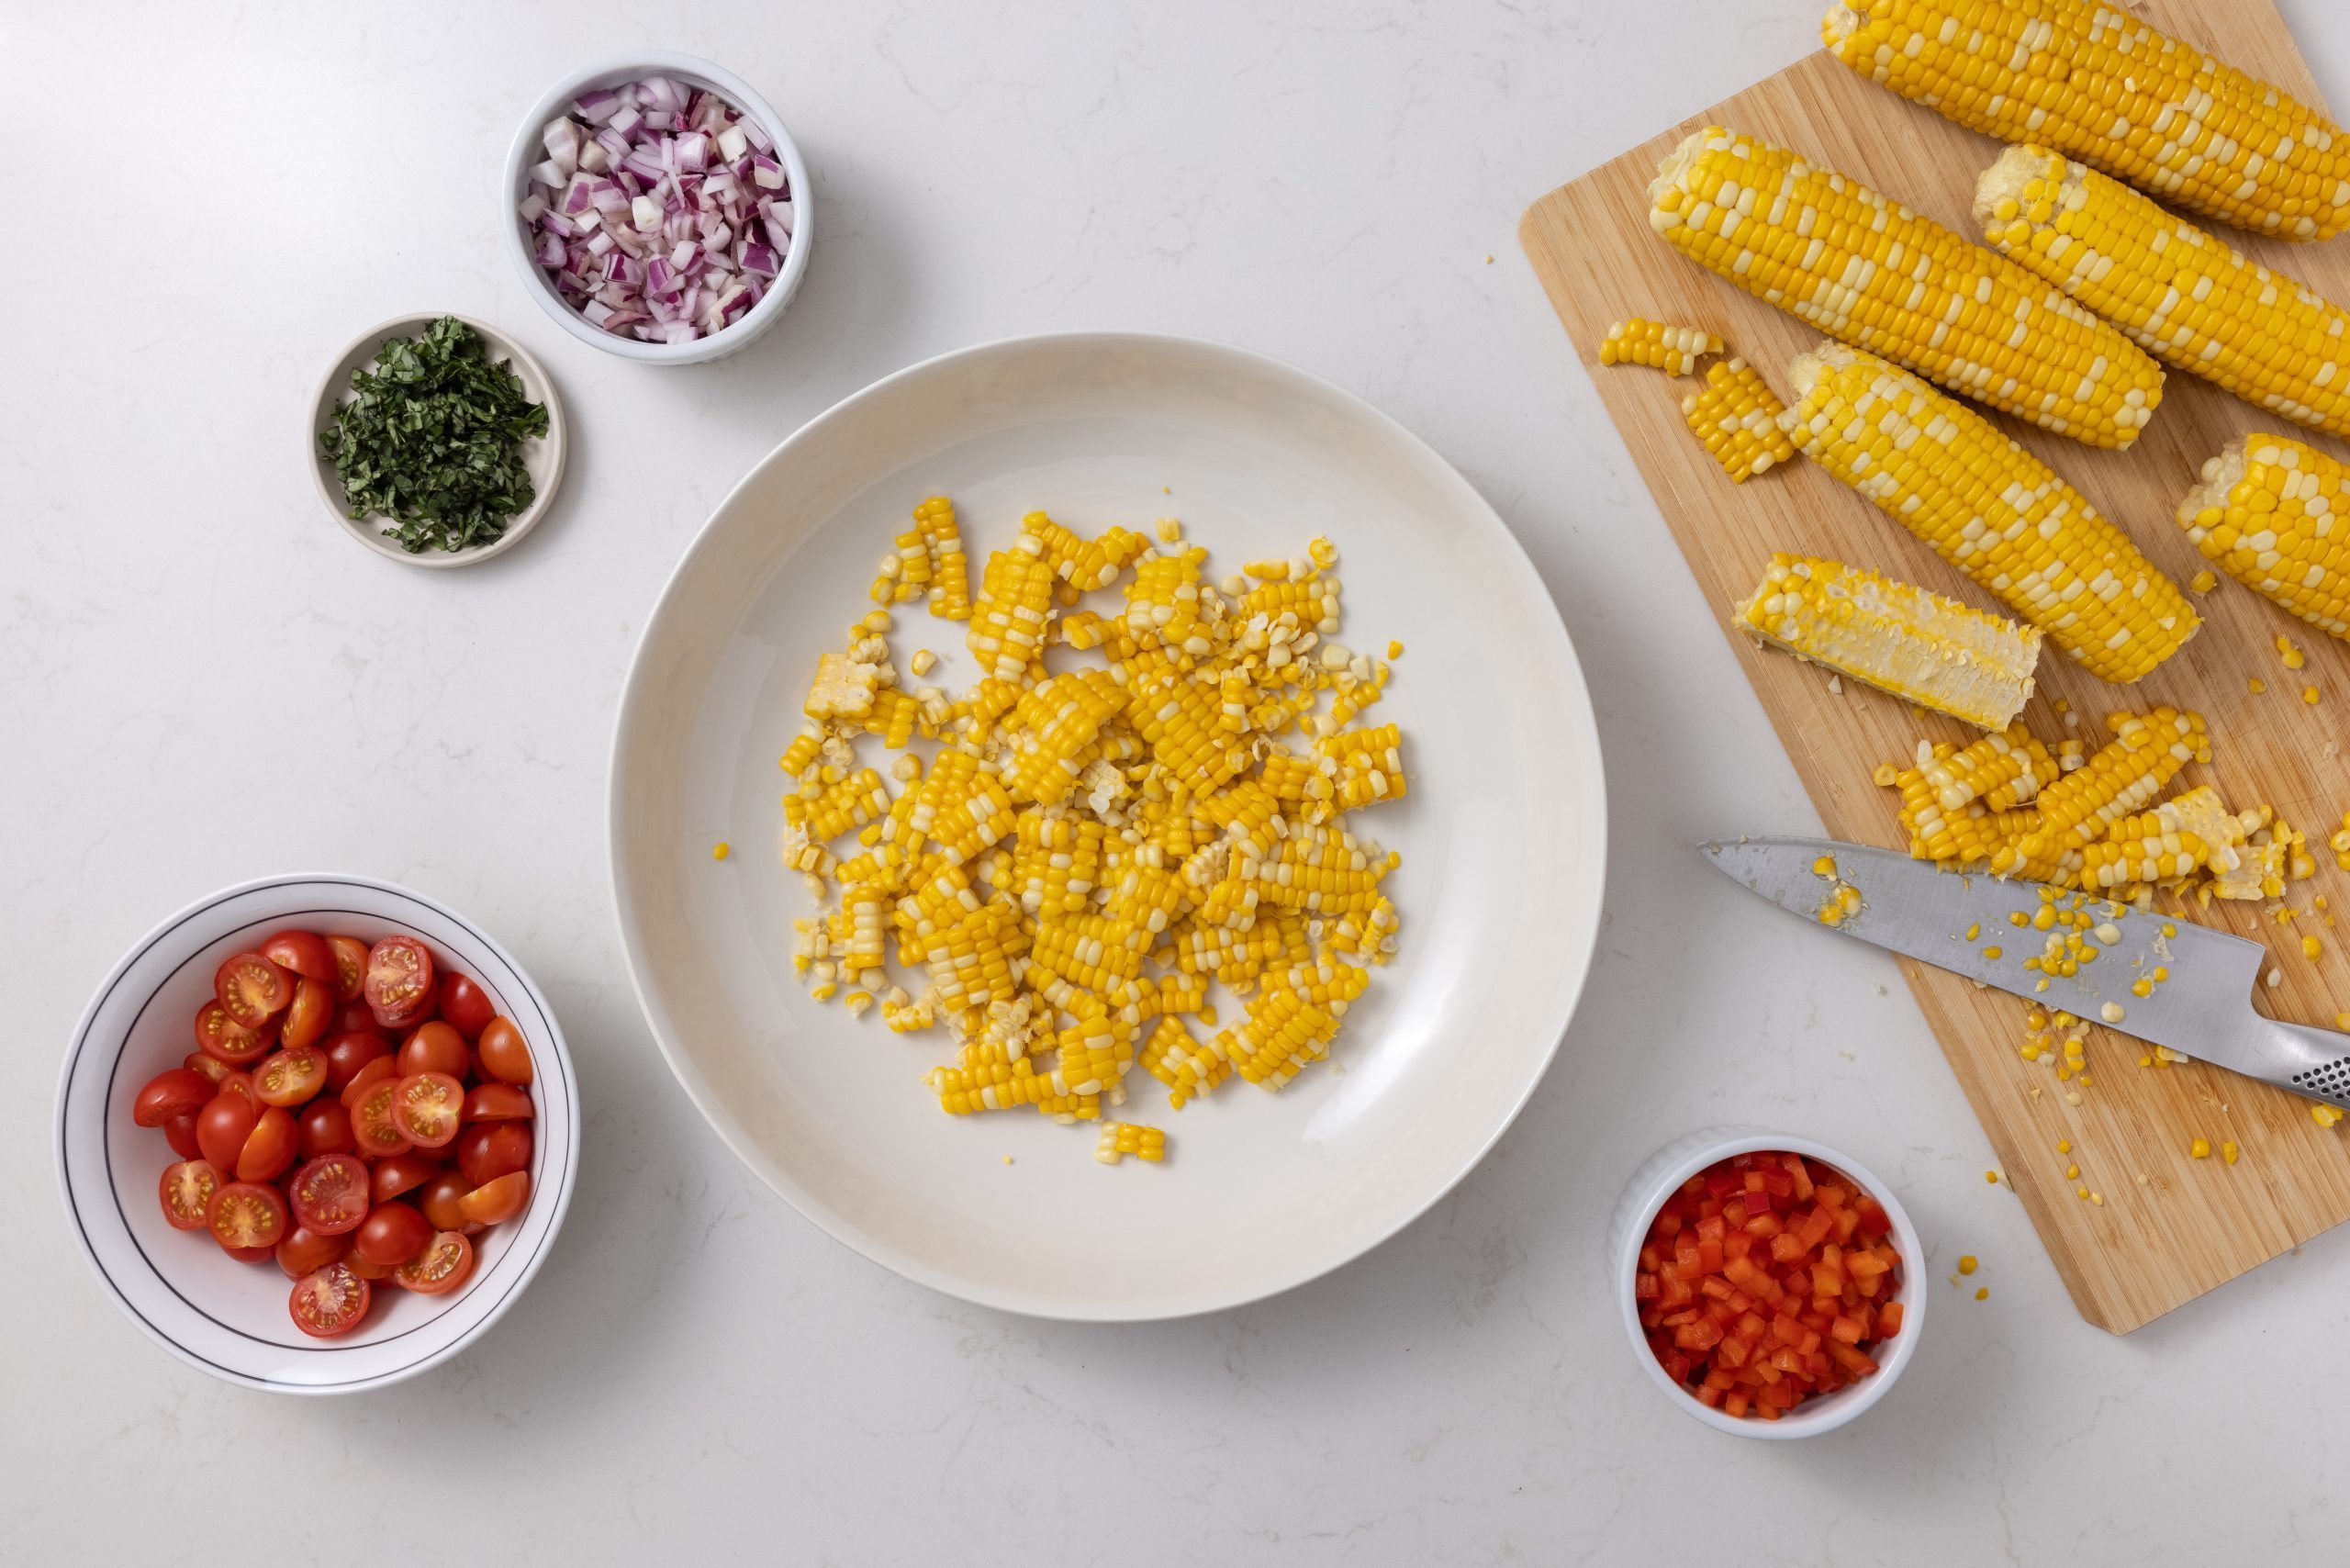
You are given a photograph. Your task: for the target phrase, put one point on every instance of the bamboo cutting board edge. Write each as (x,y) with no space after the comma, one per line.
(2191,1225)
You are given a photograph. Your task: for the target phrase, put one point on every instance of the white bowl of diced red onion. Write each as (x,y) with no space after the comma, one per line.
(657,209)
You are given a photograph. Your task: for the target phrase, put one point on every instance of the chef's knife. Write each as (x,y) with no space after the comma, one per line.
(1912,907)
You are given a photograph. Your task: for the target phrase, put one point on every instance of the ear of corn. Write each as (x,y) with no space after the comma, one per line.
(2184,296)
(1991,509)
(2092,82)
(1673,350)
(1874,275)
(1737,415)
(2268,510)
(1917,645)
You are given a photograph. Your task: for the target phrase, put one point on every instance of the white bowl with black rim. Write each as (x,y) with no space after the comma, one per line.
(229,1318)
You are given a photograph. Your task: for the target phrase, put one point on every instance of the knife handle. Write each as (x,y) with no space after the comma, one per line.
(2308,1061)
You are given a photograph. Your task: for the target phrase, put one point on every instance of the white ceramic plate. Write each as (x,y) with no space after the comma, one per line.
(1503,835)
(229,1318)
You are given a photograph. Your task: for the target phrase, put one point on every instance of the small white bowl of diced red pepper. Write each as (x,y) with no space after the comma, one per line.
(658,208)
(1770,1285)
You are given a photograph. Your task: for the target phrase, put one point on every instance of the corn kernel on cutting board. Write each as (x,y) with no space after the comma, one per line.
(2188,1225)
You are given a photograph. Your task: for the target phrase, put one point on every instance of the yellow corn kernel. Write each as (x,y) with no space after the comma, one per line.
(1966,1262)
(2199,1149)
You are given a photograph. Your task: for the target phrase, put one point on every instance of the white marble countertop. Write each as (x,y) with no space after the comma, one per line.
(199,680)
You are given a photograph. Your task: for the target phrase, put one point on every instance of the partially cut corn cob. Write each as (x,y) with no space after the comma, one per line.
(2269,509)
(1918,645)
(1878,275)
(1673,350)
(1991,509)
(1737,415)
(2184,296)
(2089,80)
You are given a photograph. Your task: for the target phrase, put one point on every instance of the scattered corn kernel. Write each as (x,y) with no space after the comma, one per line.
(1966,1262)
(2228,1151)
(720,850)
(2199,1149)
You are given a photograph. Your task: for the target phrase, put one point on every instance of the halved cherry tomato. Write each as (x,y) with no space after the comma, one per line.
(504,1056)
(442,1267)
(402,1172)
(330,1193)
(371,1072)
(303,1251)
(400,980)
(350,966)
(428,1107)
(291,1077)
(495,1201)
(180,1133)
(312,1011)
(435,1048)
(269,1147)
(218,1035)
(439,1197)
(251,990)
(205,1062)
(498,1103)
(357,1018)
(372,1125)
(464,1004)
(301,952)
(186,1190)
(346,1053)
(326,1129)
(329,1301)
(222,1126)
(171,1092)
(487,1150)
(246,1215)
(240,1083)
(249,1254)
(391,1235)
(364,1269)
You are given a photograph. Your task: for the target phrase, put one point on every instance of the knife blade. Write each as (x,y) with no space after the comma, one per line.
(1914,908)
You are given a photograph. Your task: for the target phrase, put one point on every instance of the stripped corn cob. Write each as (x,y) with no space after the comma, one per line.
(2269,511)
(1991,509)
(1879,277)
(1737,415)
(2184,296)
(2094,82)
(1673,350)
(1918,645)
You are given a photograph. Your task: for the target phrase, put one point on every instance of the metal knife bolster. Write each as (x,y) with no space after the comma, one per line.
(1981,926)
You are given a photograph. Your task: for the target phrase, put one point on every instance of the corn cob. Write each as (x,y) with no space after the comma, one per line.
(1881,278)
(1991,509)
(1919,646)
(2088,79)
(2183,295)
(1737,415)
(2269,511)
(1673,350)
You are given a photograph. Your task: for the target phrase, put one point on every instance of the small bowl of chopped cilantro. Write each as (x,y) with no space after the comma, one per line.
(436,440)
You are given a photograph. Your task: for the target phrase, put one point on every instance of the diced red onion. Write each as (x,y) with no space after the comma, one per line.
(766,171)
(561,138)
(532,204)
(596,106)
(547,174)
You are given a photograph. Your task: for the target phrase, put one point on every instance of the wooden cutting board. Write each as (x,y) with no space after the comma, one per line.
(2170,1227)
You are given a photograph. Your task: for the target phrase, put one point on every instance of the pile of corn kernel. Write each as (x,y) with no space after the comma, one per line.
(1096,842)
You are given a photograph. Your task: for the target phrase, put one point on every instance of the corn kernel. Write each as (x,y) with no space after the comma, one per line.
(720,850)
(2199,1149)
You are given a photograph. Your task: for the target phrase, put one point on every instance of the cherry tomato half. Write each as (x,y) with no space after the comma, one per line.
(329,1301)
(372,1125)
(205,1062)
(372,1072)
(428,1108)
(218,1034)
(347,1053)
(442,1267)
(180,1133)
(312,1009)
(326,1129)
(222,1126)
(241,1084)
(291,1077)
(186,1190)
(464,1004)
(391,1235)
(251,990)
(498,1103)
(494,1202)
(303,1251)
(402,1172)
(356,1018)
(302,953)
(487,1150)
(435,1048)
(169,1094)
(330,1193)
(400,980)
(439,1200)
(269,1147)
(350,966)
(246,1216)
(504,1056)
